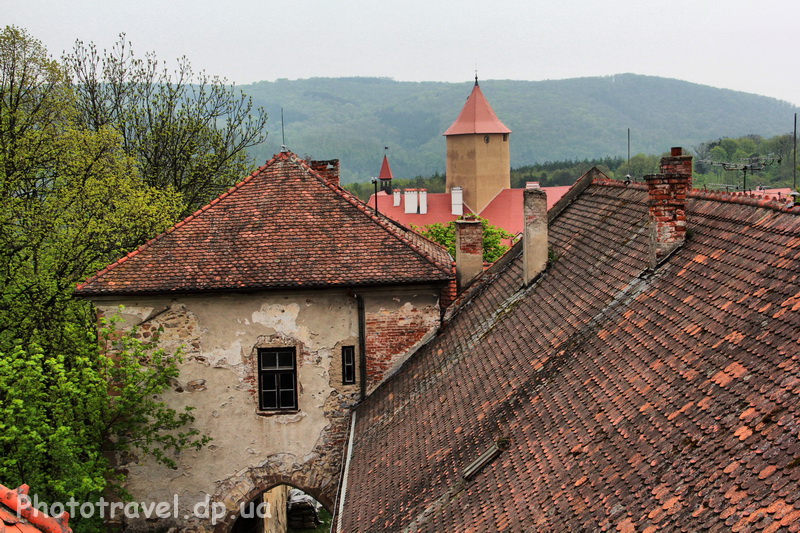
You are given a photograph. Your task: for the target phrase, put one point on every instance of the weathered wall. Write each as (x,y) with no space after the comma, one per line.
(251,450)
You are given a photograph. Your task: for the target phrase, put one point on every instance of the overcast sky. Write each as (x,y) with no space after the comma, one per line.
(745,45)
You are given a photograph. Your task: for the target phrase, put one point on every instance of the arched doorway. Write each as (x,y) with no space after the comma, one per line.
(246,488)
(283,509)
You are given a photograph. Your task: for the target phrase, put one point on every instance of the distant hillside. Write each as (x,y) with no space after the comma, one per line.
(354,118)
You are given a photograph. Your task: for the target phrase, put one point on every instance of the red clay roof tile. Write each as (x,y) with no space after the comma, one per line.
(605,379)
(17,515)
(283,226)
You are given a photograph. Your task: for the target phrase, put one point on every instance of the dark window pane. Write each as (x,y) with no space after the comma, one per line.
(286,359)
(287,381)
(348,364)
(270,360)
(269,382)
(270,400)
(287,399)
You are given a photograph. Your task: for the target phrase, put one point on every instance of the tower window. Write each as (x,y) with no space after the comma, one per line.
(277,379)
(505,137)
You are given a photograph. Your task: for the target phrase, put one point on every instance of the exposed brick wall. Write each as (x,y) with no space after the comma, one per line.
(667,203)
(390,334)
(469,250)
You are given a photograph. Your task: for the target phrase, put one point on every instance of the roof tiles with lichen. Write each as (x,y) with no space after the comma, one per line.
(631,399)
(285,226)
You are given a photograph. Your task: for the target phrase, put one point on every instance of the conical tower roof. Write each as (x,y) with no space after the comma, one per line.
(386,170)
(476,117)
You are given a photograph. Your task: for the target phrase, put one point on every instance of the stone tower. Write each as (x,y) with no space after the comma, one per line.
(477,152)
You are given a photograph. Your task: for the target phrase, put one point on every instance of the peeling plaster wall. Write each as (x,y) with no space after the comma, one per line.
(220,334)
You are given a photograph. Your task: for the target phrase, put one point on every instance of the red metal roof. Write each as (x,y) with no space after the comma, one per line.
(283,226)
(17,515)
(386,171)
(476,116)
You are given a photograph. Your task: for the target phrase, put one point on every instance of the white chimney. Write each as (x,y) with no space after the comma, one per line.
(457,201)
(410,200)
(534,234)
(423,201)
(396,197)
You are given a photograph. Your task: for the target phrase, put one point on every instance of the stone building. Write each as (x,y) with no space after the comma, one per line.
(292,301)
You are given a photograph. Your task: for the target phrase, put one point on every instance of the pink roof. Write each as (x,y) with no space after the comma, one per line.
(386,171)
(439,207)
(476,117)
(504,211)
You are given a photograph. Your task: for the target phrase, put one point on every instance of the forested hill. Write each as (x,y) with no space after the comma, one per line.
(354,118)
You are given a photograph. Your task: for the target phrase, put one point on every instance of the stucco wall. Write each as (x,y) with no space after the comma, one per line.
(481,169)
(252,450)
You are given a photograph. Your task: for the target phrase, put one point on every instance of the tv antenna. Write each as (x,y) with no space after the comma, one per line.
(752,164)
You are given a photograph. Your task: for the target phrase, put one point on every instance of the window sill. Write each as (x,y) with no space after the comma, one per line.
(278,412)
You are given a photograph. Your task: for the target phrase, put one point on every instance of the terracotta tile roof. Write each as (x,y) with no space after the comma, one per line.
(630,399)
(18,516)
(283,226)
(476,116)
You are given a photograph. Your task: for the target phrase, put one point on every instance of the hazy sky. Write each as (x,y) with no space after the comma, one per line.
(744,45)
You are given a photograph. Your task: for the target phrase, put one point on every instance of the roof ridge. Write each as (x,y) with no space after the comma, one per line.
(181,223)
(742,198)
(369,213)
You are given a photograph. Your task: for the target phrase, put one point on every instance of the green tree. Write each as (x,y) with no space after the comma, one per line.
(72,200)
(186,131)
(61,416)
(445,234)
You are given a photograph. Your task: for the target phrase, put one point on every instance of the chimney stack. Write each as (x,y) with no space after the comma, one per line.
(534,234)
(423,201)
(457,201)
(396,197)
(328,169)
(410,200)
(469,250)
(667,192)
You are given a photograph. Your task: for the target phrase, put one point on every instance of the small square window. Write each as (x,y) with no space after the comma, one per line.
(348,365)
(277,379)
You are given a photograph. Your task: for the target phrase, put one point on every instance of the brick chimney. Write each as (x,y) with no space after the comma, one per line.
(457,201)
(469,250)
(328,169)
(667,193)
(534,234)
(410,202)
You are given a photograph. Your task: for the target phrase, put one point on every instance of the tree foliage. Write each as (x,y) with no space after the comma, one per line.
(71,201)
(184,130)
(445,234)
(63,415)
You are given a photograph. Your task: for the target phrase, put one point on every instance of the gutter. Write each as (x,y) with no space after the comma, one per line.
(362,346)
